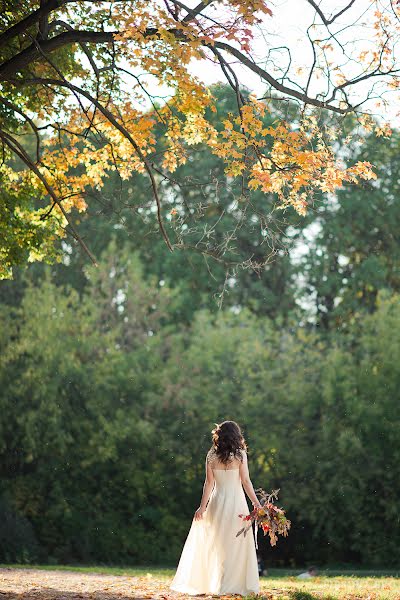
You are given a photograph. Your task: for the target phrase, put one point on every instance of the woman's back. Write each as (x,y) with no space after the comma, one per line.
(214,560)
(215,462)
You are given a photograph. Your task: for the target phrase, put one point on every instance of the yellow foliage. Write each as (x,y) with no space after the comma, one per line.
(294,163)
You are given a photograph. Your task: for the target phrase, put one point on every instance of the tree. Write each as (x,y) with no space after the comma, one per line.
(123,211)
(104,401)
(76,437)
(84,77)
(354,252)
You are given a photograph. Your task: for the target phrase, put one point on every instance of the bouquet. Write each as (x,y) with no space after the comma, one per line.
(269,517)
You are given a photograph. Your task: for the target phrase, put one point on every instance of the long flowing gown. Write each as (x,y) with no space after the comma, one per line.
(215,561)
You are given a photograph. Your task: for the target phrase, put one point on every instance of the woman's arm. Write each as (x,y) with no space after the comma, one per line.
(207,489)
(246,482)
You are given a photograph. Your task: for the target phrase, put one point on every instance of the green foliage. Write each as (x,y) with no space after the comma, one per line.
(355,251)
(25,235)
(17,539)
(112,377)
(106,405)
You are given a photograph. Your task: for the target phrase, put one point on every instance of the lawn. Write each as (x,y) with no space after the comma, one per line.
(38,582)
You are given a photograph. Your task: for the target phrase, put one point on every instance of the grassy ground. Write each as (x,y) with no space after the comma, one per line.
(43,582)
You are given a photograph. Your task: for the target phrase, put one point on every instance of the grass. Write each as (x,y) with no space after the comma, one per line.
(129,571)
(333,588)
(141,571)
(280,584)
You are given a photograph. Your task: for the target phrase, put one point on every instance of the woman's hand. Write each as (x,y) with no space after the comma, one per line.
(257,504)
(198,515)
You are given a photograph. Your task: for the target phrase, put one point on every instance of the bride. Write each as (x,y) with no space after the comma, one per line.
(215,561)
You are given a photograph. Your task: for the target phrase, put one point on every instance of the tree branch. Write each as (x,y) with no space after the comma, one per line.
(84,47)
(192,13)
(274,83)
(40,47)
(30,20)
(34,127)
(35,50)
(35,16)
(112,119)
(17,149)
(334,17)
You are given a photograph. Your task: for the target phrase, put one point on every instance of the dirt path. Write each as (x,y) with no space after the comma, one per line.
(38,584)
(35,584)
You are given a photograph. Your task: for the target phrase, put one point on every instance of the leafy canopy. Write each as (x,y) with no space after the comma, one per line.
(81,82)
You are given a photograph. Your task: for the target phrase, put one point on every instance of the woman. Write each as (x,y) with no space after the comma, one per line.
(214,560)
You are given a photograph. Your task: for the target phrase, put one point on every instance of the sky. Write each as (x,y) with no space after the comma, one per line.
(288,26)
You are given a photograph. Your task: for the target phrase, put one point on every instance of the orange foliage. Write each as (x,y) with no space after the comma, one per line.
(292,161)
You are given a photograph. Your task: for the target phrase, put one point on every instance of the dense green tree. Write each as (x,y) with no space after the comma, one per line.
(111,377)
(354,250)
(78,453)
(107,406)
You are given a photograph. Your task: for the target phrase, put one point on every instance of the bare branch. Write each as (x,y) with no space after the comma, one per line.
(192,12)
(34,128)
(274,83)
(334,17)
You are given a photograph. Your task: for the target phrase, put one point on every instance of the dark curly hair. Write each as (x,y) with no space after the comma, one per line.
(228,440)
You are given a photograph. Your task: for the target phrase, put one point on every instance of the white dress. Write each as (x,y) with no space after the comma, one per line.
(215,561)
